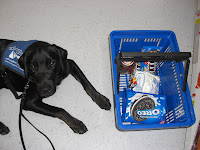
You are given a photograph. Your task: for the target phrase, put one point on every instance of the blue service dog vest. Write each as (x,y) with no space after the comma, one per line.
(12,53)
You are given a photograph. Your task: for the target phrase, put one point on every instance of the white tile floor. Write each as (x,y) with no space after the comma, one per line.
(83,27)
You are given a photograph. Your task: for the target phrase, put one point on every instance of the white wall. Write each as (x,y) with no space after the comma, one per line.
(83,27)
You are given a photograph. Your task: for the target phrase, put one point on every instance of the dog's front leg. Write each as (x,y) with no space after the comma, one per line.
(101,100)
(34,103)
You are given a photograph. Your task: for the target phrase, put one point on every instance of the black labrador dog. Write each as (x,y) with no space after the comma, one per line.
(46,66)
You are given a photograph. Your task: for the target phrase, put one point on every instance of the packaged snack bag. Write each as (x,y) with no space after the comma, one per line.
(144,108)
(146,82)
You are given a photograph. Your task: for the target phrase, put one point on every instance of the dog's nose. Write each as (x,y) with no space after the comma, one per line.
(45,89)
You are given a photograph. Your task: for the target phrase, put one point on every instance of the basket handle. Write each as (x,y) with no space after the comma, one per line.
(149,56)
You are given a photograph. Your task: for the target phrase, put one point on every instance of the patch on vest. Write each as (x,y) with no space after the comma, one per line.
(12,53)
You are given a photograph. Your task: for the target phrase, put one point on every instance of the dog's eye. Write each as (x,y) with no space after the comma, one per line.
(53,63)
(33,67)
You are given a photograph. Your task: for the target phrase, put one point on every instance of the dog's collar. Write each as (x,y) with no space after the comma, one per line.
(12,53)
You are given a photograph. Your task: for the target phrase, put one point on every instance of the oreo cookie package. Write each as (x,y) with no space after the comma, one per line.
(144,108)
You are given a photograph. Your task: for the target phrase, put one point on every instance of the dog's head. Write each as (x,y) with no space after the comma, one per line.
(44,64)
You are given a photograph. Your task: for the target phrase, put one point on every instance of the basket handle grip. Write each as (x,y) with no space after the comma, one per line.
(186,75)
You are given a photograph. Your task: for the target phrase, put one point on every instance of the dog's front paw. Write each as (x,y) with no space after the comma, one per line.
(78,126)
(103,102)
(3,129)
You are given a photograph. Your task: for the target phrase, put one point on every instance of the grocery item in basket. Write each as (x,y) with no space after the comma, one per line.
(145,66)
(149,66)
(132,81)
(145,108)
(146,82)
(151,49)
(127,67)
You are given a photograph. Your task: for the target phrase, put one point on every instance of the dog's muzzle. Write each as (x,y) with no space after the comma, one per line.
(45,90)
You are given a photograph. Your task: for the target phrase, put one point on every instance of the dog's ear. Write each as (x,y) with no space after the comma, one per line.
(62,54)
(22,63)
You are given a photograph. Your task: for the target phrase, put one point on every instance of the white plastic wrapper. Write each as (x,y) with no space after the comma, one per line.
(146,82)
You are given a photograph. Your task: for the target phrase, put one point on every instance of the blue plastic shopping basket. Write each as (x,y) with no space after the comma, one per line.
(127,45)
